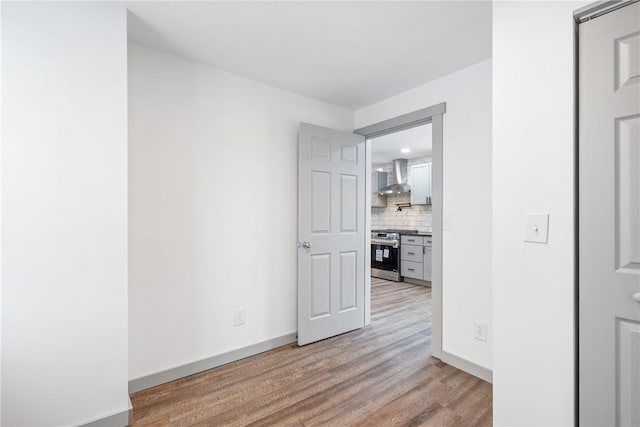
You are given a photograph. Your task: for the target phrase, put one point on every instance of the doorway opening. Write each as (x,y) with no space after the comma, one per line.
(403,204)
(401,220)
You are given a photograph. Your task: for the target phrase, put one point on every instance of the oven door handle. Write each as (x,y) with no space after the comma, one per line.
(394,244)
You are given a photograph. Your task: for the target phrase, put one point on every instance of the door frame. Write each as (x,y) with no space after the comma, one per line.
(433,115)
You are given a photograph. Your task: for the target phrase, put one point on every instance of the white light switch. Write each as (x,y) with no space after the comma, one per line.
(447,222)
(536,228)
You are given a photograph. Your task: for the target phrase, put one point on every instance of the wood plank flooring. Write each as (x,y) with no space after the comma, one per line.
(377,376)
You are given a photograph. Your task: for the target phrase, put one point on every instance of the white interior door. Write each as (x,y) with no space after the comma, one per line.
(331,238)
(609,219)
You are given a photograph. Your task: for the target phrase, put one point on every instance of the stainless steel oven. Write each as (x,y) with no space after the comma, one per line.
(385,255)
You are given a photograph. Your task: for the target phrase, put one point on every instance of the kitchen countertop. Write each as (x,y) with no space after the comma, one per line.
(419,233)
(407,232)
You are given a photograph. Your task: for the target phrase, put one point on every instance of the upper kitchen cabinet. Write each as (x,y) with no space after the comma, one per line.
(379,180)
(420,180)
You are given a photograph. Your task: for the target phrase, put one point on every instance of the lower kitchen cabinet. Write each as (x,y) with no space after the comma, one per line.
(411,269)
(426,264)
(415,257)
(411,253)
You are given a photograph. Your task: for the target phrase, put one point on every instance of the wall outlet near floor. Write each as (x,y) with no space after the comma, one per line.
(480,331)
(239,316)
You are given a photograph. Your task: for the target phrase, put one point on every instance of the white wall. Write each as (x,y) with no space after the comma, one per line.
(213,208)
(64,213)
(533,128)
(467,198)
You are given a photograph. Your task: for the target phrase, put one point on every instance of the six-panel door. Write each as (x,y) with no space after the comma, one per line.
(609,219)
(331,200)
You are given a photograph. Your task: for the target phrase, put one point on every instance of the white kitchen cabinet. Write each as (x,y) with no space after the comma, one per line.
(411,256)
(426,264)
(427,258)
(379,180)
(411,269)
(411,253)
(420,181)
(411,239)
(415,257)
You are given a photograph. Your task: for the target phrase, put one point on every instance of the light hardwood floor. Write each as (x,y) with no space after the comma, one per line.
(380,375)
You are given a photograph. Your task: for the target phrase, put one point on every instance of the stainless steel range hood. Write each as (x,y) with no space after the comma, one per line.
(398,178)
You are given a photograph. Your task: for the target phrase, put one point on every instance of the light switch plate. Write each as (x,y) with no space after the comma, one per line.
(239,316)
(447,221)
(536,228)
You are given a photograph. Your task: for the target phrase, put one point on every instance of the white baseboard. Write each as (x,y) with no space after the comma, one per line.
(468,366)
(119,419)
(162,377)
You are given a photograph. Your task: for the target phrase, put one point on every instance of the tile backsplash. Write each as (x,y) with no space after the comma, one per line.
(417,217)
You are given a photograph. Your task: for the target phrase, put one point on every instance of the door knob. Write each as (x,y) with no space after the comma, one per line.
(306,245)
(636,297)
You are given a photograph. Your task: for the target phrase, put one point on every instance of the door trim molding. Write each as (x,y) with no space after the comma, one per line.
(432,114)
(599,8)
(405,121)
(576,225)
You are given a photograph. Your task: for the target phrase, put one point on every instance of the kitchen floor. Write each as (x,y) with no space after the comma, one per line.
(378,375)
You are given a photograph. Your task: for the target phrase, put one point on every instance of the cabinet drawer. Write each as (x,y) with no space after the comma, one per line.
(411,253)
(411,269)
(411,240)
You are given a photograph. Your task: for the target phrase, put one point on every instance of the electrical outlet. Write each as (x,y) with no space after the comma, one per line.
(239,316)
(480,331)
